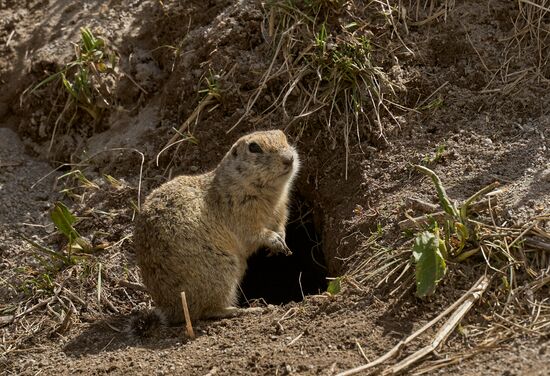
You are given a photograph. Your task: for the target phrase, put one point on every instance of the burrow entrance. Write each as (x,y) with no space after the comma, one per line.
(282,279)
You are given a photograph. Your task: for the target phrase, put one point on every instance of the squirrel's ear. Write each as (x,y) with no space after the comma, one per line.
(234,152)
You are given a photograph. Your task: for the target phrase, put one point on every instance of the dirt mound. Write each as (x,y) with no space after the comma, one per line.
(365,90)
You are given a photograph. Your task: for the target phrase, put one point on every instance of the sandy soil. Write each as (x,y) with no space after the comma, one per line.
(491,115)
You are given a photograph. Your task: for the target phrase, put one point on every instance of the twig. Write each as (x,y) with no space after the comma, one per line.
(432,94)
(421,205)
(537,244)
(520,236)
(5,320)
(466,205)
(66,322)
(437,14)
(295,339)
(213,371)
(361,351)
(535,5)
(188,324)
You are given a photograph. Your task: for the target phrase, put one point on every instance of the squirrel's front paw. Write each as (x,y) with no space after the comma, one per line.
(277,245)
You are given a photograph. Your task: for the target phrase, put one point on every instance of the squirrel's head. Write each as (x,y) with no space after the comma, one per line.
(262,160)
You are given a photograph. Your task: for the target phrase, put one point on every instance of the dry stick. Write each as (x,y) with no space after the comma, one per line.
(472,296)
(483,281)
(432,94)
(361,351)
(421,205)
(537,244)
(188,325)
(132,285)
(439,13)
(476,51)
(5,320)
(394,24)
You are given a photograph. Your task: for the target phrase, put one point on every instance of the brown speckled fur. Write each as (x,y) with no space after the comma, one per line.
(195,233)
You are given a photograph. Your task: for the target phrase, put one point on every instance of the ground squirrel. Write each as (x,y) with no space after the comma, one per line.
(195,233)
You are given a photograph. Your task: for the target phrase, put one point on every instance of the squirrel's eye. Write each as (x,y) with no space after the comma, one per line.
(255,148)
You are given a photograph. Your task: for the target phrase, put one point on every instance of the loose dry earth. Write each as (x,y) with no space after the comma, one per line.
(471,76)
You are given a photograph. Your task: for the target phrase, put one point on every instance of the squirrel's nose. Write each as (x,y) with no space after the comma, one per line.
(288,161)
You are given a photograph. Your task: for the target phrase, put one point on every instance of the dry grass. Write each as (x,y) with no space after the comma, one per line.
(59,295)
(527,53)
(423,12)
(532,34)
(58,284)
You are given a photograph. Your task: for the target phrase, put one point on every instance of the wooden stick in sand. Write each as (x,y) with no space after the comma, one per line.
(188,324)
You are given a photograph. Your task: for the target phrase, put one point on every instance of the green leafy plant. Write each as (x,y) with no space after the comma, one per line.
(433,104)
(63,220)
(431,250)
(429,256)
(212,83)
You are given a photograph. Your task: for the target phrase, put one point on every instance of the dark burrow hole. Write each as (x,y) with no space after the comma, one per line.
(282,279)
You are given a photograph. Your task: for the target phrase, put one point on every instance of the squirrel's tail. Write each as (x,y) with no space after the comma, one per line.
(146,323)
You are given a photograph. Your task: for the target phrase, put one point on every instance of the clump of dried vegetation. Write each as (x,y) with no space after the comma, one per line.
(463,243)
(84,85)
(332,65)
(529,41)
(507,265)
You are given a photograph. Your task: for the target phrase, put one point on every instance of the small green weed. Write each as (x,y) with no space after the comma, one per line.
(76,183)
(433,104)
(335,286)
(212,88)
(63,220)
(433,158)
(429,254)
(75,252)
